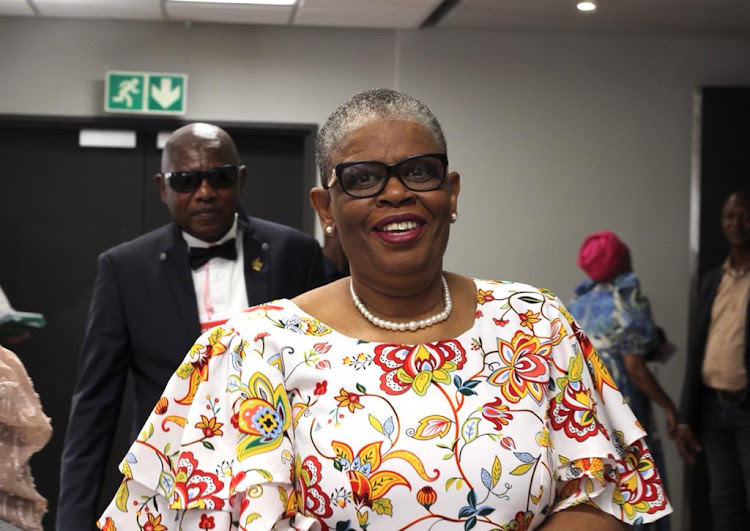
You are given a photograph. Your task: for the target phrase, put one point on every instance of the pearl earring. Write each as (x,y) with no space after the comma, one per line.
(329,230)
(454,217)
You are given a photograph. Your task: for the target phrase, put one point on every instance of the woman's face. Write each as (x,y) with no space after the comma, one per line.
(398,231)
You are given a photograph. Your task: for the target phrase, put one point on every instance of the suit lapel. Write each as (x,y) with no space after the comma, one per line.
(175,261)
(257,263)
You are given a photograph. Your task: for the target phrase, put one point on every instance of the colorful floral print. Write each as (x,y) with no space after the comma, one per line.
(277,421)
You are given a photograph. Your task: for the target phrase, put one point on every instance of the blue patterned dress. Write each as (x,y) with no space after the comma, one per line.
(617,318)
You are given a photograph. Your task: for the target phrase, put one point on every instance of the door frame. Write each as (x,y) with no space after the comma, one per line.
(308,132)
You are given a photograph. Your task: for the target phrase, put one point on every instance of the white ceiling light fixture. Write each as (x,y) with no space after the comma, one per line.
(587,6)
(249,2)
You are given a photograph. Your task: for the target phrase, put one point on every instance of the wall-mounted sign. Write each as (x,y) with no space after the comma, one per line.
(145,92)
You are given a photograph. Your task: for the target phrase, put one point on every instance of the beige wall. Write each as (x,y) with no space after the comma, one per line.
(554,135)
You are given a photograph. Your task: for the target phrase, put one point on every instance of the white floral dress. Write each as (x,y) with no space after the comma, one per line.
(276,421)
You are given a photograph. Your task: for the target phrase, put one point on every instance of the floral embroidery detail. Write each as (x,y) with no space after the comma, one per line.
(574,409)
(161,406)
(210,427)
(154,523)
(426,497)
(528,319)
(484,296)
(305,325)
(640,489)
(349,400)
(497,413)
(207,522)
(368,483)
(311,498)
(196,370)
(321,388)
(263,417)
(194,488)
(416,367)
(526,370)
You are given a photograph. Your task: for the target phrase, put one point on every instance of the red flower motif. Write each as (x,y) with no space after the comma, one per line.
(194,488)
(323,364)
(236,479)
(508,443)
(526,370)
(321,348)
(312,498)
(575,411)
(500,322)
(497,413)
(207,522)
(479,314)
(416,366)
(640,482)
(261,336)
(321,387)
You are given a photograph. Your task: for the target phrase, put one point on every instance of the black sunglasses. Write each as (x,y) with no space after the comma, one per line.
(367,178)
(190,180)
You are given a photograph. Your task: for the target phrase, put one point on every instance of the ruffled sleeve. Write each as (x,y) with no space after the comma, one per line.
(599,448)
(638,334)
(215,452)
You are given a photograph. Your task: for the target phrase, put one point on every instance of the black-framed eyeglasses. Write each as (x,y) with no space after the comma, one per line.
(367,178)
(190,180)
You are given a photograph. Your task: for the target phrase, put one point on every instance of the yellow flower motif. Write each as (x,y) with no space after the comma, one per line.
(155,523)
(362,517)
(528,319)
(210,427)
(349,400)
(484,296)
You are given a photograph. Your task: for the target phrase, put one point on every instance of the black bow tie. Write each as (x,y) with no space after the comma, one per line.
(200,255)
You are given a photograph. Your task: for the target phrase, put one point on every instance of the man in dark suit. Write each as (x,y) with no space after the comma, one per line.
(154,295)
(715,399)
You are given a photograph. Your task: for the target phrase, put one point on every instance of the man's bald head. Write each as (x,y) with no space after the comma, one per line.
(201,150)
(190,144)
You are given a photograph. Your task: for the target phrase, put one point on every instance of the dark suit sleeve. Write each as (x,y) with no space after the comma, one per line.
(316,275)
(701,300)
(103,366)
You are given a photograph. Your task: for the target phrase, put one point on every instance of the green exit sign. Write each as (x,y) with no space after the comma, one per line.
(145,92)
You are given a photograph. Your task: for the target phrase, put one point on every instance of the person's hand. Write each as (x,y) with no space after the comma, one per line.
(671,417)
(687,443)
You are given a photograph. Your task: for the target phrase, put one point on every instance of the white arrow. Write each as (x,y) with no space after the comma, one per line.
(165,95)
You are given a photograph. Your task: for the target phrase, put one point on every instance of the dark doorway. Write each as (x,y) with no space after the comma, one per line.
(723,165)
(62,204)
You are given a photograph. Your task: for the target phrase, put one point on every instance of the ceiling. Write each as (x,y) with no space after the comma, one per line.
(724,18)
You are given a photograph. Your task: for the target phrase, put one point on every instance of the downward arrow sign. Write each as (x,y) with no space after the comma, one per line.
(165,95)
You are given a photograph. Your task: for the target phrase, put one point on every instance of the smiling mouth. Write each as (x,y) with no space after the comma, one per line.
(399,226)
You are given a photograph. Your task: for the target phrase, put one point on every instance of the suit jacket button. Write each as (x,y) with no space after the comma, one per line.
(265,246)
(162,256)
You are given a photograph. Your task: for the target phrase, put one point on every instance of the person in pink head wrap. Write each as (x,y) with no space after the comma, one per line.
(616,316)
(603,256)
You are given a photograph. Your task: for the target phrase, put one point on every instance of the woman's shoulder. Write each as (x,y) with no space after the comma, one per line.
(510,287)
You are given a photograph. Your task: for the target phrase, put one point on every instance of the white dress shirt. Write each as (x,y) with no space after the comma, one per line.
(220,283)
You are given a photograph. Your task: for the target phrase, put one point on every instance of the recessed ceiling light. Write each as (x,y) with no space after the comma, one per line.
(586,6)
(255,2)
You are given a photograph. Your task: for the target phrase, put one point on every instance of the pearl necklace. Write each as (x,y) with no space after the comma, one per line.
(411,325)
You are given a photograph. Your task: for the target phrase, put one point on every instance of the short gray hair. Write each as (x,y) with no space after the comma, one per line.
(365,107)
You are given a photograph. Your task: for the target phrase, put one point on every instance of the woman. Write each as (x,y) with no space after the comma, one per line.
(401,397)
(616,316)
